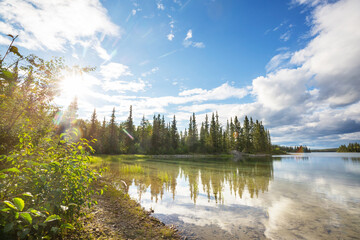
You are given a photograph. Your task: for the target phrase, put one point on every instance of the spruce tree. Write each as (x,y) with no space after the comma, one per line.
(130,129)
(113,135)
(92,134)
(174,135)
(246,135)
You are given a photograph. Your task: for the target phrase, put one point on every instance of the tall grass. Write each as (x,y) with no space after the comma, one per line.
(132,169)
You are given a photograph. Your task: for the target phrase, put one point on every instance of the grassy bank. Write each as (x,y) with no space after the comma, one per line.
(114,158)
(116,216)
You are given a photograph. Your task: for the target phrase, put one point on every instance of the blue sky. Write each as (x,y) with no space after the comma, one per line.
(292,64)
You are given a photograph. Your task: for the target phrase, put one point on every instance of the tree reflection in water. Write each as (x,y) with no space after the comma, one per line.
(211,175)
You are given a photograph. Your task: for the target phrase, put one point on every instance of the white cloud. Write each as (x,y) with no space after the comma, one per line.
(277,61)
(188,35)
(222,92)
(198,44)
(160,6)
(282,89)
(311,95)
(187,41)
(102,53)
(333,55)
(309,2)
(192,92)
(279,26)
(170,36)
(152,71)
(52,25)
(123,86)
(285,36)
(114,70)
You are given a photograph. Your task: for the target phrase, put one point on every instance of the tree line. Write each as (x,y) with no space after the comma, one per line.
(290,149)
(157,136)
(351,147)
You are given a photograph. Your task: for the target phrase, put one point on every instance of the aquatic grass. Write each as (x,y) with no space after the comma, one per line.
(121,157)
(132,169)
(163,176)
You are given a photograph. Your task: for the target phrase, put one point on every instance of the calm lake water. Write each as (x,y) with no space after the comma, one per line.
(307,196)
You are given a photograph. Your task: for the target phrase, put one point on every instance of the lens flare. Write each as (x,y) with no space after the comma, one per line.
(58,117)
(131,137)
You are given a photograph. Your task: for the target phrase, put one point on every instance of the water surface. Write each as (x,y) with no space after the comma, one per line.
(307,196)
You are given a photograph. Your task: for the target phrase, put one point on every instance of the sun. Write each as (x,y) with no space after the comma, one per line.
(73,85)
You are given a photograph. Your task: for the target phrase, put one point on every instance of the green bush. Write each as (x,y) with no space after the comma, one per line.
(44,186)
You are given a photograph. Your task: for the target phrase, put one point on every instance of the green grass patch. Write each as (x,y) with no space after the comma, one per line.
(163,176)
(131,169)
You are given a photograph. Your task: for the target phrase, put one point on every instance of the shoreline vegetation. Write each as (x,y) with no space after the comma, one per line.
(46,176)
(48,188)
(351,147)
(117,216)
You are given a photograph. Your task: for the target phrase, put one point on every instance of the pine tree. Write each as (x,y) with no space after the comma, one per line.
(208,140)
(130,133)
(193,134)
(218,133)
(92,134)
(239,144)
(215,133)
(174,135)
(113,140)
(233,136)
(156,135)
(246,135)
(144,132)
(202,138)
(102,143)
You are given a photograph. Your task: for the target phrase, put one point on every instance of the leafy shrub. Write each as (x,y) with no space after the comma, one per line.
(44,186)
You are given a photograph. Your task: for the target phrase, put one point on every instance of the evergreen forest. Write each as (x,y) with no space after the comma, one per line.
(351,147)
(157,136)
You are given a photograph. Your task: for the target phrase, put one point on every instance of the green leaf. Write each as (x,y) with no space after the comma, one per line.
(67,225)
(8,227)
(19,203)
(24,233)
(15,170)
(7,75)
(28,194)
(9,204)
(15,50)
(35,212)
(54,229)
(26,216)
(51,218)
(5,209)
(79,147)
(101,192)
(2,175)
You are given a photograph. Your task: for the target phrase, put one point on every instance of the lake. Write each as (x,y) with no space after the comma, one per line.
(300,196)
